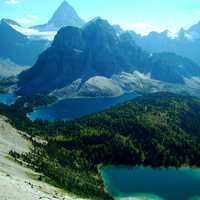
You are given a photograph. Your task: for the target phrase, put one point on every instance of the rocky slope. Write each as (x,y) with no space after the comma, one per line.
(18,179)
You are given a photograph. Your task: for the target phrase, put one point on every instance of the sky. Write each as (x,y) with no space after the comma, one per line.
(141,16)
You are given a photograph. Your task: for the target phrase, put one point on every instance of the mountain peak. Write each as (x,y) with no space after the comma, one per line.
(7,29)
(64,7)
(65,15)
(64,3)
(99,23)
(99,28)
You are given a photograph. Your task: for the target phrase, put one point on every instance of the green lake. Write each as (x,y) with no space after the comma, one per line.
(152,184)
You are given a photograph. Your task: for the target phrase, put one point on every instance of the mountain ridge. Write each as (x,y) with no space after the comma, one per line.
(96,50)
(18,47)
(185,43)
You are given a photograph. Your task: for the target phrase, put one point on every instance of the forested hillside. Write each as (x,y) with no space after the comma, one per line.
(160,130)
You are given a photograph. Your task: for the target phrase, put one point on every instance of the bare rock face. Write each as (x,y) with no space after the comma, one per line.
(94,50)
(10,138)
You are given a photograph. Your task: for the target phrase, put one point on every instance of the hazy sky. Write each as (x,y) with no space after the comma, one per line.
(139,15)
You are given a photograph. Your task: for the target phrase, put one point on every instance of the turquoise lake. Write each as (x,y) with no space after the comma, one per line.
(77,107)
(7,99)
(152,184)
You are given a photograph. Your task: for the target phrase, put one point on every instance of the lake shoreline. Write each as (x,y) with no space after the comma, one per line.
(184,175)
(74,108)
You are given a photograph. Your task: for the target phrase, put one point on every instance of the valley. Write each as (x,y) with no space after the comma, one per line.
(99,107)
(152,130)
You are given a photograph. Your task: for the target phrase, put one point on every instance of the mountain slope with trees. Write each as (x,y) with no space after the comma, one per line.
(158,130)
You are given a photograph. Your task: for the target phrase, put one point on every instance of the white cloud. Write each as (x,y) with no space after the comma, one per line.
(183,14)
(12,2)
(24,20)
(189,14)
(141,27)
(27,19)
(34,17)
(197,12)
(138,26)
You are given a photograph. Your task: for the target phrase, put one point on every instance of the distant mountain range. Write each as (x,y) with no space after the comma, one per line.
(17,47)
(186,43)
(96,61)
(65,15)
(22,46)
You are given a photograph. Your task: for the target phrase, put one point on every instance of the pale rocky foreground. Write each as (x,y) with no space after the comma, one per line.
(16,181)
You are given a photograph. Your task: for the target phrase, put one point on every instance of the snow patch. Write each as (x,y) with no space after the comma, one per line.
(78,50)
(34,33)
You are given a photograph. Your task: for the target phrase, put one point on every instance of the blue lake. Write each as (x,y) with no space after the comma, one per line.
(7,99)
(152,184)
(77,107)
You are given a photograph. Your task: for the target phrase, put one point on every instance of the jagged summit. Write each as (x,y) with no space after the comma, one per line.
(78,53)
(98,21)
(65,15)
(98,26)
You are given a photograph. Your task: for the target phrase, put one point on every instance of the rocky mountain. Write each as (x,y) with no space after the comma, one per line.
(186,43)
(96,60)
(17,47)
(118,29)
(65,15)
